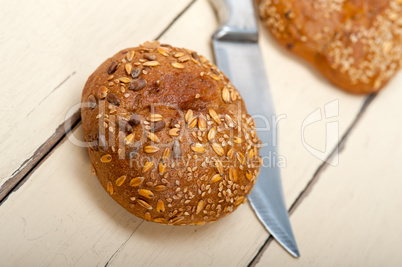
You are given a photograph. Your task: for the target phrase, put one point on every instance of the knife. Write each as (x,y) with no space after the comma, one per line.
(238,55)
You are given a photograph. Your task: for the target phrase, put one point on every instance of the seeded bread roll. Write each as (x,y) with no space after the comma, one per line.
(168,136)
(356,44)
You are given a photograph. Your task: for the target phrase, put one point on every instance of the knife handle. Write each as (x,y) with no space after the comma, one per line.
(238,20)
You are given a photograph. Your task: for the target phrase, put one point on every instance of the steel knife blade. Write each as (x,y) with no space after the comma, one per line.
(238,55)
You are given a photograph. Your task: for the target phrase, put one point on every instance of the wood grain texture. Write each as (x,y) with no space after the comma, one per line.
(352,217)
(47,50)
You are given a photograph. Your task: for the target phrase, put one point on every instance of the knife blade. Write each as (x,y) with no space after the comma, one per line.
(238,55)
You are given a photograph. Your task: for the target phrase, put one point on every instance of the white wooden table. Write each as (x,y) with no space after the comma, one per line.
(343,192)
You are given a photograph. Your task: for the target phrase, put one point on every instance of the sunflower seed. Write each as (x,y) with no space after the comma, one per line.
(146,193)
(106,158)
(102,92)
(197,148)
(134,120)
(112,68)
(137,181)
(113,99)
(151,149)
(200,206)
(144,204)
(177,65)
(121,180)
(152,137)
(194,55)
(135,73)
(109,187)
(155,117)
(160,206)
(216,178)
(137,84)
(218,149)
(147,166)
(149,57)
(214,116)
(151,63)
(211,134)
(176,150)
(130,55)
(157,126)
(215,71)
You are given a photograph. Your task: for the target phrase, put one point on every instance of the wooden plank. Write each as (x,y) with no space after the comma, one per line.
(298,91)
(53,219)
(351,218)
(47,51)
(62,216)
(88,228)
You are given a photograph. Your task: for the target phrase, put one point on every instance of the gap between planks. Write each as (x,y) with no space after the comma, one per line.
(43,152)
(310,185)
(29,165)
(122,245)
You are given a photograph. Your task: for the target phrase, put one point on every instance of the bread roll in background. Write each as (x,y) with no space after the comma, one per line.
(356,44)
(168,136)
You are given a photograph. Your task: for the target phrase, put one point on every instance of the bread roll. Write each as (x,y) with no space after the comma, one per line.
(168,136)
(356,44)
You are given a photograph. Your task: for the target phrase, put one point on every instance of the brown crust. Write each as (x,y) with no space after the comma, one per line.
(356,44)
(154,147)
